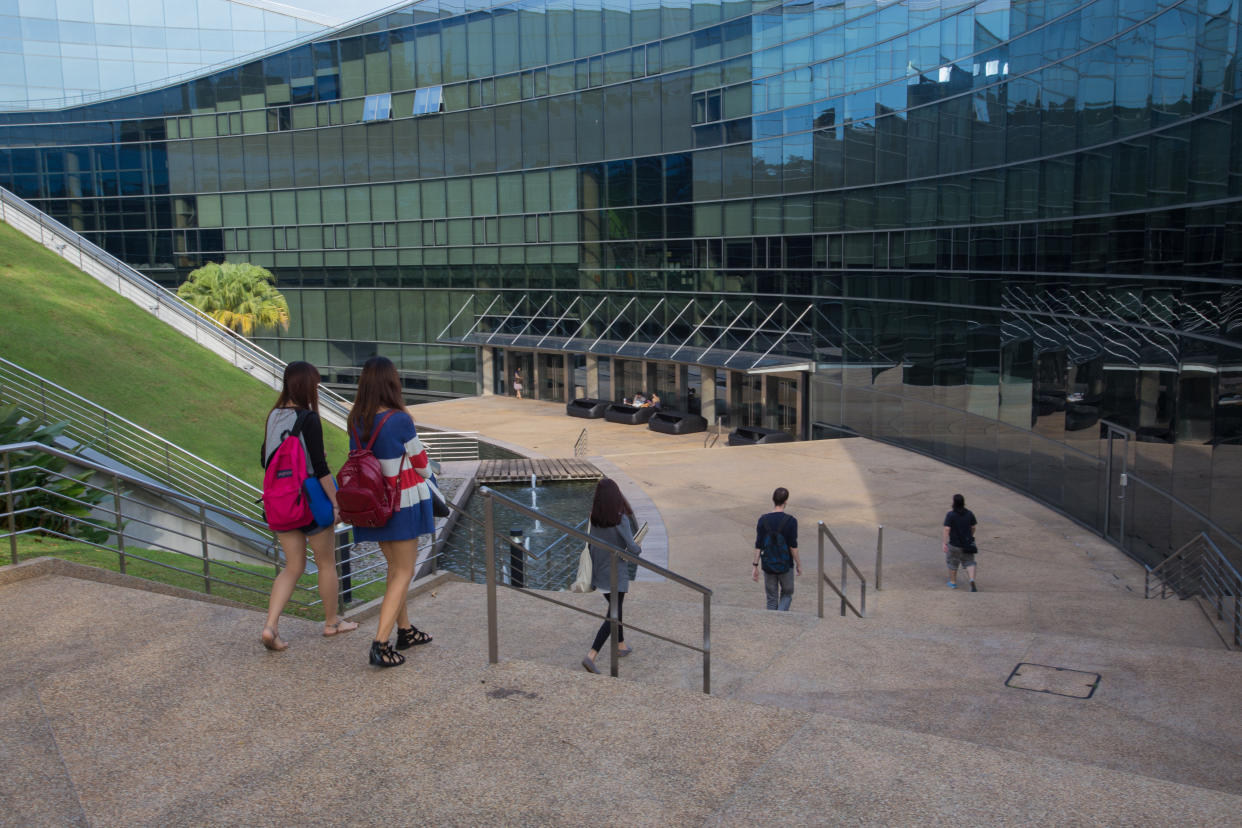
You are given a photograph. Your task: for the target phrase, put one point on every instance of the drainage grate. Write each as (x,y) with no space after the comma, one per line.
(1059,681)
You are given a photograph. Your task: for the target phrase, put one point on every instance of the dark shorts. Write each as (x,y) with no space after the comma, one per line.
(955,557)
(309,529)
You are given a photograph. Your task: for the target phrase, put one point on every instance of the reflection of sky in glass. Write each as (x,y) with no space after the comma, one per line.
(91,48)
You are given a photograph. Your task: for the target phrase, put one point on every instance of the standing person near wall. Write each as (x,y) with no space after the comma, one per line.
(299,402)
(959,542)
(379,411)
(612,521)
(517,383)
(776,551)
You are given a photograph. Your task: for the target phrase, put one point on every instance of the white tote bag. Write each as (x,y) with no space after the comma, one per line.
(585,569)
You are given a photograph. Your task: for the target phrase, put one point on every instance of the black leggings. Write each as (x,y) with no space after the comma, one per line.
(606,628)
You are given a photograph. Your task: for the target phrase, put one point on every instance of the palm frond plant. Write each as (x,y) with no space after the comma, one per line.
(239,295)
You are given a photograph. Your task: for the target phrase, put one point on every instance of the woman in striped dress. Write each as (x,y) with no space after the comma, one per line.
(379,405)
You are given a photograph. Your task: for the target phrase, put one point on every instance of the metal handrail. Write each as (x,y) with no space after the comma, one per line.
(580,446)
(450,445)
(92,425)
(1199,568)
(195,511)
(711,437)
(157,300)
(824,578)
(616,555)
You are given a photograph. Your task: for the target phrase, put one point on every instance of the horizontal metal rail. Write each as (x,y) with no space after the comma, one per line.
(446,446)
(617,556)
(1198,569)
(136,501)
(93,426)
(164,304)
(824,578)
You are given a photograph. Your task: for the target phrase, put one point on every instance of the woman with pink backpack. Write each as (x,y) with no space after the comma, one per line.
(379,424)
(296,414)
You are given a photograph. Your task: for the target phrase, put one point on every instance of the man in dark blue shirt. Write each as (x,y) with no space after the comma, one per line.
(778,555)
(959,541)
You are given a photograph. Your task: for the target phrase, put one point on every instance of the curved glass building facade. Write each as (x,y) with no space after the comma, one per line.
(1004,233)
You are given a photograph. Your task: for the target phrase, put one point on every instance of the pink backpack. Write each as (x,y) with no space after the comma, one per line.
(285,504)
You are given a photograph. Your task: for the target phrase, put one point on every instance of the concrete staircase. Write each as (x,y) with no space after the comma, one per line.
(127,707)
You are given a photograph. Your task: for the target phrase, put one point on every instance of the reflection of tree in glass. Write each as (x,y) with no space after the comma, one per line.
(239,296)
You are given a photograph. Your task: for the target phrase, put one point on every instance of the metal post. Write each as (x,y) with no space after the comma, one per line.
(344,584)
(202,518)
(844,584)
(1237,617)
(613,626)
(879,555)
(489,565)
(819,572)
(707,643)
(862,604)
(471,550)
(8,486)
(120,531)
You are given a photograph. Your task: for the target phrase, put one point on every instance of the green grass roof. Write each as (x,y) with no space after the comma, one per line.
(61,323)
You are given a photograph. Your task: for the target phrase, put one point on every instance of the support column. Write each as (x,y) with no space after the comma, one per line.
(592,376)
(567,371)
(536,374)
(487,373)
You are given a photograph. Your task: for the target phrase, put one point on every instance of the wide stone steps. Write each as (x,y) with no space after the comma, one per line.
(1156,710)
(133,708)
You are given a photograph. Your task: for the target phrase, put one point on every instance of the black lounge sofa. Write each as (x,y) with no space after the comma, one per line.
(628,414)
(586,408)
(754,436)
(676,422)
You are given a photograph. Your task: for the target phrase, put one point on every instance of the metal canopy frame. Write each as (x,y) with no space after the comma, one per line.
(662,347)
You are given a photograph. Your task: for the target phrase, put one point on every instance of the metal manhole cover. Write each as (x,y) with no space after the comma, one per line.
(1059,681)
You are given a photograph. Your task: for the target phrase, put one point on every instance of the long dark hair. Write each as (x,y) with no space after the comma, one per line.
(959,503)
(300,388)
(379,386)
(609,506)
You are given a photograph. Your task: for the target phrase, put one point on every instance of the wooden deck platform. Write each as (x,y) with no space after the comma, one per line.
(519,471)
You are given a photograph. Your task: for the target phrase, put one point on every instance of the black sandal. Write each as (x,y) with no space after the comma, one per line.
(411,636)
(382,655)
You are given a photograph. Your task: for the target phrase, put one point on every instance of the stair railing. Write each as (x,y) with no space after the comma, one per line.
(580,445)
(207,534)
(712,435)
(847,563)
(164,304)
(93,426)
(446,446)
(1199,569)
(617,556)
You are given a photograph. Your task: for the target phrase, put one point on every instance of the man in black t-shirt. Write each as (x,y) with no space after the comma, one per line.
(959,541)
(779,570)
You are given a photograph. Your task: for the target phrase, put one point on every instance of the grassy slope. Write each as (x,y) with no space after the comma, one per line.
(64,325)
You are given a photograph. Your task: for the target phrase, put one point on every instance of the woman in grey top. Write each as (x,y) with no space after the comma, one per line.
(299,397)
(612,521)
